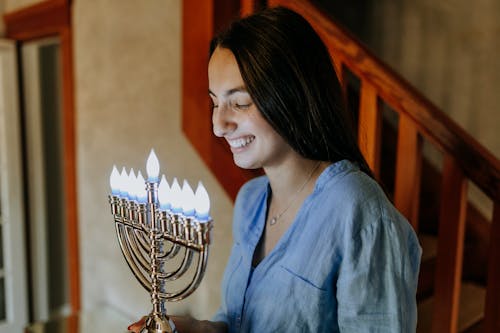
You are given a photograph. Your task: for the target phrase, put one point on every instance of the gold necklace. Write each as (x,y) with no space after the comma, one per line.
(276,217)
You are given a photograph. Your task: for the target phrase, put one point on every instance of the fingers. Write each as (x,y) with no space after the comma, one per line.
(137,326)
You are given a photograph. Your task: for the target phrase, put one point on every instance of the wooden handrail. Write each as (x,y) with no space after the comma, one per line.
(478,163)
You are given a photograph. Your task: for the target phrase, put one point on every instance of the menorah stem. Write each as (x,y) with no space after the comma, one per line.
(158,321)
(156,284)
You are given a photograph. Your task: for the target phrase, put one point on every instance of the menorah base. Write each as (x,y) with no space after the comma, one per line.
(158,324)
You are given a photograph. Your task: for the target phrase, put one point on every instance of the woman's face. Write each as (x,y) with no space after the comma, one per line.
(253,142)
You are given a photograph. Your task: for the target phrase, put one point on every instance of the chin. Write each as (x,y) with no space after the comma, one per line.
(246,164)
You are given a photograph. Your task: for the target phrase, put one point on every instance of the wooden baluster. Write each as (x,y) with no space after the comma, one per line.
(450,248)
(408,170)
(369,126)
(492,308)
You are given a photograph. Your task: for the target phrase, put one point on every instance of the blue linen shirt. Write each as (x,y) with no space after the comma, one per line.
(348,263)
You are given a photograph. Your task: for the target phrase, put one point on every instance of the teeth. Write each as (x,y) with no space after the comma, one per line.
(242,142)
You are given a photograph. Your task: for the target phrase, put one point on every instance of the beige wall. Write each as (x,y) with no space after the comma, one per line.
(449,51)
(127,60)
(11,5)
(128,81)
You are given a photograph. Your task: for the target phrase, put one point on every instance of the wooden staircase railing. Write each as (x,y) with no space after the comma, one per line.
(465,160)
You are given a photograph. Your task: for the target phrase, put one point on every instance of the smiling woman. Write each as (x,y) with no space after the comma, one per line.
(253,142)
(316,231)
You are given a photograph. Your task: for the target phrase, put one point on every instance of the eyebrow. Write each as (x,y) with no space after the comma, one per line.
(230,91)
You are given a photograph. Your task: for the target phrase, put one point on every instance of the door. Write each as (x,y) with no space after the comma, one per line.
(44,146)
(13,283)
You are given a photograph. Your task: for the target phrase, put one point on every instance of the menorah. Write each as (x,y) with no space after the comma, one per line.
(156,223)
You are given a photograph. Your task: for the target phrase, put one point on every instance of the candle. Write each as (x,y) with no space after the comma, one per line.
(131,180)
(140,188)
(202,203)
(187,197)
(164,194)
(152,167)
(176,201)
(114,180)
(123,183)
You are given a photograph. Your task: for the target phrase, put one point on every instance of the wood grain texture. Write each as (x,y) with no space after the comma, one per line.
(408,170)
(43,19)
(197,31)
(247,7)
(370,127)
(492,310)
(201,20)
(450,248)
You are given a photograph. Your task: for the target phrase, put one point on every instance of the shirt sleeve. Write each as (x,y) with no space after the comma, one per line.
(376,287)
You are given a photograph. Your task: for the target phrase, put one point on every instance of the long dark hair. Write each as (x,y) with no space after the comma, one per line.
(289,74)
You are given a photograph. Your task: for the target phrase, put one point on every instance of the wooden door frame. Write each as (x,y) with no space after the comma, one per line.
(44,19)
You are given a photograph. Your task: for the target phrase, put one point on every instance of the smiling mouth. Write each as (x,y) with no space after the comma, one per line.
(242,142)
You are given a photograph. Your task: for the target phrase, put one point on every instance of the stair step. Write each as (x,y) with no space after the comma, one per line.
(472,297)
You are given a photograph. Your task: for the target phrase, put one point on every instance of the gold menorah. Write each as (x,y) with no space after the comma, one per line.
(156,224)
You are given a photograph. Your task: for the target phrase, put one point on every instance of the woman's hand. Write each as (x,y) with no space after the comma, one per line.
(186,324)
(135,327)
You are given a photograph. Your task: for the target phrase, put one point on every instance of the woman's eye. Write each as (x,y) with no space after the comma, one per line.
(242,106)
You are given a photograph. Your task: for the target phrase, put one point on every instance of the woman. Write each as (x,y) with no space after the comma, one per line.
(317,245)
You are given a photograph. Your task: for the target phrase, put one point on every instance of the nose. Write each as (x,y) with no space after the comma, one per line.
(222,121)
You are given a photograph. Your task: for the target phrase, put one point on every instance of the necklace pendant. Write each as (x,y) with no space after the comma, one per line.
(273,220)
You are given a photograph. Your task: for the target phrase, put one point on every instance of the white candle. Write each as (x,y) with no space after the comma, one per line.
(202,203)
(176,201)
(114,180)
(187,196)
(163,194)
(141,188)
(123,183)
